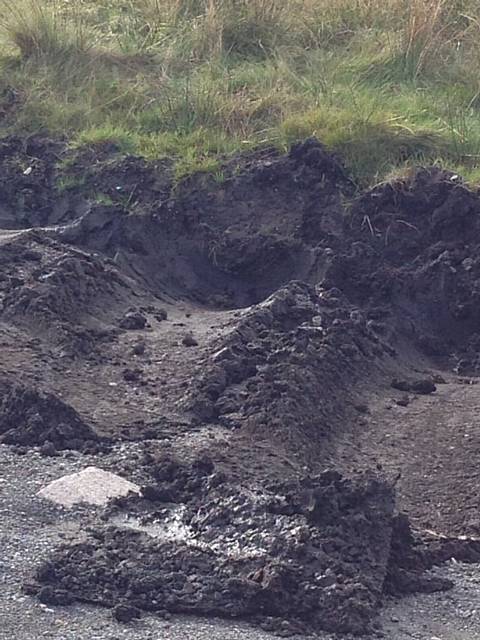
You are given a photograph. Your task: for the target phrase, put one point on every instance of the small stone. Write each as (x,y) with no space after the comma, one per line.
(50,595)
(133,320)
(160,315)
(131,375)
(361,407)
(189,340)
(126,613)
(404,401)
(48,449)
(138,349)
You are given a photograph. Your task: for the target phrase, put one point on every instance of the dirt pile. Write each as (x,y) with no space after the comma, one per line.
(412,259)
(287,368)
(62,293)
(307,555)
(31,418)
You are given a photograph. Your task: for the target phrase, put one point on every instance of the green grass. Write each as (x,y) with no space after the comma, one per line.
(385,83)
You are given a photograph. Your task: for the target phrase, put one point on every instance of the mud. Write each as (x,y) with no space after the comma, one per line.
(287,369)
(414,259)
(29,417)
(315,554)
(312,555)
(239,326)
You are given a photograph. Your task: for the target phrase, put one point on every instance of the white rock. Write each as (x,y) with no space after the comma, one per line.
(92,486)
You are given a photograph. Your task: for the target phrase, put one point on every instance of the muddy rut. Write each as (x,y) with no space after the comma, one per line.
(298,362)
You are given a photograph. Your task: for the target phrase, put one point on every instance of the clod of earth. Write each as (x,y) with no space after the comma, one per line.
(138,349)
(189,340)
(404,401)
(160,315)
(423,387)
(126,613)
(132,375)
(31,417)
(133,320)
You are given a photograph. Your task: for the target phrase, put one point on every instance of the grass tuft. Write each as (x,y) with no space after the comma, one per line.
(39,30)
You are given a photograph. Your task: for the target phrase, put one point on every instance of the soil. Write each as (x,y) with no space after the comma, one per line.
(295,361)
(29,417)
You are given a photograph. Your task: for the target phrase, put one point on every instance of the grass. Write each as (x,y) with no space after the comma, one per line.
(385,83)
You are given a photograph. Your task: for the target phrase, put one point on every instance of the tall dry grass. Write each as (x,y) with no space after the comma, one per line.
(43,29)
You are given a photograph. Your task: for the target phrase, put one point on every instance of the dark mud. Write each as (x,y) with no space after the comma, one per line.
(414,261)
(268,309)
(286,370)
(303,556)
(29,417)
(66,295)
(314,554)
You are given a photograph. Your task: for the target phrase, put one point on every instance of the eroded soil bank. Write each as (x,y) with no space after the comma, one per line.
(259,335)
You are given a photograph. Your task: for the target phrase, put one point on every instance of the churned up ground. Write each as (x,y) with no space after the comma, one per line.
(240,269)
(286,368)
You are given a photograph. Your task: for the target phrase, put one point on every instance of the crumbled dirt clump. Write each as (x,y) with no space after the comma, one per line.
(307,555)
(31,418)
(287,367)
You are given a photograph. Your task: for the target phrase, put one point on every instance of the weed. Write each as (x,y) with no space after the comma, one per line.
(103,199)
(40,30)
(69,183)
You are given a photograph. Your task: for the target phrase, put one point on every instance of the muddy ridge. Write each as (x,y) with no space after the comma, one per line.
(237,326)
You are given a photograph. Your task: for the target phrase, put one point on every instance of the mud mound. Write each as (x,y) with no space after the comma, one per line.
(32,418)
(306,556)
(287,368)
(413,260)
(68,295)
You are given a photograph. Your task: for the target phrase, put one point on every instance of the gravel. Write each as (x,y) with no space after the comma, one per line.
(31,527)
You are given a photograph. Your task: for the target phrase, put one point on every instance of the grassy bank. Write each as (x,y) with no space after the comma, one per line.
(386,83)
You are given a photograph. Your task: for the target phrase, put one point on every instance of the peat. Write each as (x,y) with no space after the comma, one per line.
(29,417)
(303,298)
